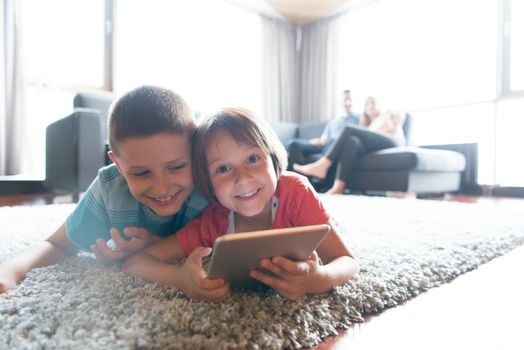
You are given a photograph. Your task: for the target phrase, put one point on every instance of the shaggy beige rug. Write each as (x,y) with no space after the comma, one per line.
(405,247)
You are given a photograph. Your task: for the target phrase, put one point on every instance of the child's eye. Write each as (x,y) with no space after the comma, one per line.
(223,169)
(253,158)
(141,174)
(177,167)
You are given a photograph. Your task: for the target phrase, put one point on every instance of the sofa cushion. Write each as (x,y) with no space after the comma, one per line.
(405,181)
(412,158)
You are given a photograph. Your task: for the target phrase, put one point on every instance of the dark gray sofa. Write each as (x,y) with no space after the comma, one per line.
(400,169)
(76,145)
(76,148)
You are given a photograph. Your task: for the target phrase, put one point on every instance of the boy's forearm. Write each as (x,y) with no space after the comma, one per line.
(335,273)
(39,255)
(152,270)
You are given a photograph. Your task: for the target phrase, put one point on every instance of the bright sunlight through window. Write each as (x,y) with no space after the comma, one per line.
(208,51)
(437,59)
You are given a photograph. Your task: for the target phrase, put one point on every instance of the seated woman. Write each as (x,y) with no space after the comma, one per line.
(371,112)
(384,131)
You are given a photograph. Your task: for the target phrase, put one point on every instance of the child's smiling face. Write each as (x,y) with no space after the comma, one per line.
(157,170)
(242,175)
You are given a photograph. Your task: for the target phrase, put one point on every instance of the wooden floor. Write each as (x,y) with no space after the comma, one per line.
(26,199)
(482,309)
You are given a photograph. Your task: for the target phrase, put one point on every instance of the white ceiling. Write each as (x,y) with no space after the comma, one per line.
(299,12)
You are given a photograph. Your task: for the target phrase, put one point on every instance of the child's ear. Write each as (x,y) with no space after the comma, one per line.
(114,159)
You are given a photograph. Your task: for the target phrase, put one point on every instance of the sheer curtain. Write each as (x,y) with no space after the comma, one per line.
(318,95)
(334,105)
(313,71)
(300,70)
(280,70)
(12,116)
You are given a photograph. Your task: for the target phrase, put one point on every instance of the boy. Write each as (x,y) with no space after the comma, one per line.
(149,188)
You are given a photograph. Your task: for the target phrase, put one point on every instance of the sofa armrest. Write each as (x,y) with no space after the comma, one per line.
(74,151)
(469,177)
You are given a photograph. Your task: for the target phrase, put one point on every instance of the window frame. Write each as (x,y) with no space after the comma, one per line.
(109,17)
(504,62)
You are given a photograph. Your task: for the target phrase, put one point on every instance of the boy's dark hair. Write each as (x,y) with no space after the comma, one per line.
(245,128)
(147,111)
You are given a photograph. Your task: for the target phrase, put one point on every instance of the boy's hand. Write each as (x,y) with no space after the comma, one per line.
(140,238)
(8,279)
(194,282)
(294,278)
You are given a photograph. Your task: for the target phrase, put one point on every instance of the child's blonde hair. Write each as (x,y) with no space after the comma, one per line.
(244,127)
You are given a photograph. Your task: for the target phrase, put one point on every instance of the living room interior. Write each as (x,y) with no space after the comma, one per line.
(456,67)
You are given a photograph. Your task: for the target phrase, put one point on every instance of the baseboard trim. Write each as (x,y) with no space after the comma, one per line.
(13,187)
(500,191)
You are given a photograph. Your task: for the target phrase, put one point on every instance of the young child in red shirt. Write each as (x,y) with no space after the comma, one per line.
(239,165)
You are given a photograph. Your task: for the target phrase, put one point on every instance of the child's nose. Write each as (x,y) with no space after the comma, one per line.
(161,185)
(243,175)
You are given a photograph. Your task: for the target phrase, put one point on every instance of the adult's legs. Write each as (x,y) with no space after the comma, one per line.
(343,154)
(371,140)
(343,147)
(353,141)
(298,150)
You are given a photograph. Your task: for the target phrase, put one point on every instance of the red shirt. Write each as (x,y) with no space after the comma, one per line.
(298,205)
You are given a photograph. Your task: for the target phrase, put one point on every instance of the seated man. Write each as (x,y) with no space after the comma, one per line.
(299,149)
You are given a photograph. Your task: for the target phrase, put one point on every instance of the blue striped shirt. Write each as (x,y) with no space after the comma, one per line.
(108,203)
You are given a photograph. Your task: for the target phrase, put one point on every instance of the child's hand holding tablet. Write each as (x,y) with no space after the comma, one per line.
(236,254)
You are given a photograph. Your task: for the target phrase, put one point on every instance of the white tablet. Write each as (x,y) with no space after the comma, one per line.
(236,254)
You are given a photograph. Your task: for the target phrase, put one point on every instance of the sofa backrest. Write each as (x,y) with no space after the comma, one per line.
(285,131)
(99,102)
(407,127)
(311,130)
(74,151)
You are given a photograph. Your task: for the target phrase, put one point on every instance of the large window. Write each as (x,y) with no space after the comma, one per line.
(211,57)
(421,54)
(207,50)
(63,52)
(513,31)
(441,61)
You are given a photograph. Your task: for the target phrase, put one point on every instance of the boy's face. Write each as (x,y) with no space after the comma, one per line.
(157,170)
(242,176)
